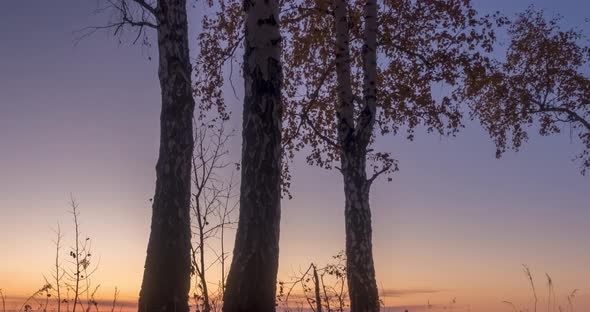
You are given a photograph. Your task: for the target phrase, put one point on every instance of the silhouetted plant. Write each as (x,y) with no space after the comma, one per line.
(552,302)
(322,288)
(3,298)
(43,290)
(73,276)
(115,297)
(213,207)
(58,273)
(80,267)
(529,276)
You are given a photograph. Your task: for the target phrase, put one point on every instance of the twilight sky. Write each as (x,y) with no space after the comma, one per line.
(454,222)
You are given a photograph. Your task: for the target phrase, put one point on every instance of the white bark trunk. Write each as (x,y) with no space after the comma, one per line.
(345,109)
(353,139)
(166,278)
(251,283)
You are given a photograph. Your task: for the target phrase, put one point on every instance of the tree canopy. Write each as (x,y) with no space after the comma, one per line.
(543,82)
(423,47)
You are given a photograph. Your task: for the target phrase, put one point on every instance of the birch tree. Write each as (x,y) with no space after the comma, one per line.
(166,278)
(376,77)
(543,83)
(251,282)
(354,72)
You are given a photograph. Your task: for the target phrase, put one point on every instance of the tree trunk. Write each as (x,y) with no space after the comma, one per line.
(353,138)
(251,283)
(316,283)
(362,285)
(166,279)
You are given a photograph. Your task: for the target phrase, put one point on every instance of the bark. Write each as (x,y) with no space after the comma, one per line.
(316,283)
(353,139)
(251,283)
(344,109)
(166,278)
(362,285)
(369,54)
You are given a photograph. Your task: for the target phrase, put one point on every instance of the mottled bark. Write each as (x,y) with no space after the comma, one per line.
(369,53)
(166,279)
(251,283)
(353,138)
(362,285)
(344,109)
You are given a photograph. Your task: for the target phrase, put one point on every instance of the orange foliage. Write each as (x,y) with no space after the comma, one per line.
(542,82)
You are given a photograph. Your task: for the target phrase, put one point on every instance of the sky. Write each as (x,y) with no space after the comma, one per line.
(82,119)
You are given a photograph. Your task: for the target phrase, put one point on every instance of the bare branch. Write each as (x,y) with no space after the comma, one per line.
(125,16)
(146,6)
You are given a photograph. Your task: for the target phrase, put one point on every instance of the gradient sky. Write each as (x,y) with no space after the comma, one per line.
(454,222)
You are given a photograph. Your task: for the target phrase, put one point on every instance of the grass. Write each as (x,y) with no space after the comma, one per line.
(552,301)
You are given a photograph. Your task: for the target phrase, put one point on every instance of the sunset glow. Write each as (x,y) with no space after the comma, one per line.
(453,229)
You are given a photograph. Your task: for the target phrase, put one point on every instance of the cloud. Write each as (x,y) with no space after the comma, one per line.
(396,293)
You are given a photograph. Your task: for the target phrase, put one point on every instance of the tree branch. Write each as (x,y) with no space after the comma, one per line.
(126,18)
(146,6)
(378,173)
(318,132)
(312,101)
(571,114)
(414,54)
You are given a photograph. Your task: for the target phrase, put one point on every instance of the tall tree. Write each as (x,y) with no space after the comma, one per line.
(365,72)
(543,82)
(354,134)
(251,282)
(356,71)
(166,278)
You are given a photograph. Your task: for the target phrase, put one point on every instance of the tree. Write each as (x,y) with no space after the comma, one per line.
(355,72)
(213,207)
(251,282)
(542,82)
(166,278)
(380,71)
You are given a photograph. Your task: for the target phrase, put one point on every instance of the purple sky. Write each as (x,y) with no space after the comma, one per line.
(83,119)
